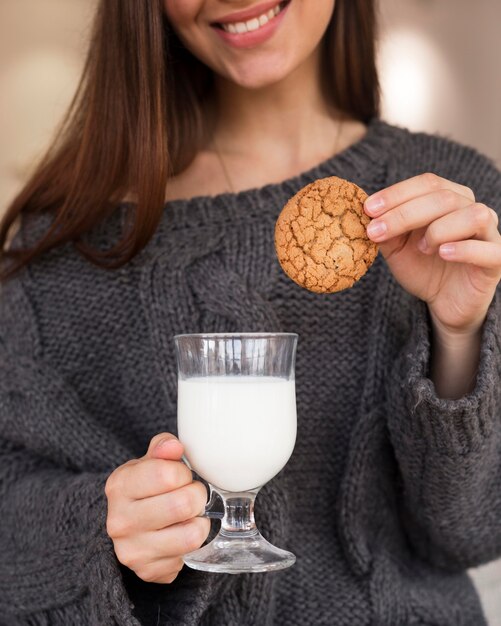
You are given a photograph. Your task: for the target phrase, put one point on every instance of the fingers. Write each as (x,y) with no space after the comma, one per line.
(177,539)
(159,471)
(147,478)
(152,507)
(165,446)
(484,254)
(162,571)
(415,213)
(402,192)
(138,551)
(159,511)
(476,221)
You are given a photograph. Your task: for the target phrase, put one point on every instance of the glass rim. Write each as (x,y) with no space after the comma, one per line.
(243,335)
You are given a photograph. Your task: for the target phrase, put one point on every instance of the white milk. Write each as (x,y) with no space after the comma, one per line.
(238,431)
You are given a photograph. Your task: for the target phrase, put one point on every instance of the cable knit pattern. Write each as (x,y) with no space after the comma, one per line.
(391,492)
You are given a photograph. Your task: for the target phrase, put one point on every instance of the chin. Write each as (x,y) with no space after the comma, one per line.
(261,73)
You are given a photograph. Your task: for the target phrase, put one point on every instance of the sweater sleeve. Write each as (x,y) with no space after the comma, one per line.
(57,563)
(449,451)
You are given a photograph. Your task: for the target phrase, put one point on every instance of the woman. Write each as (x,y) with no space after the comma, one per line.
(154,215)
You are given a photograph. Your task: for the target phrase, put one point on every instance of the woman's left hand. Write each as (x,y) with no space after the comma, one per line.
(441,246)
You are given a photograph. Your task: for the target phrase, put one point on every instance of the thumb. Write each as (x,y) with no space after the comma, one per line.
(165,446)
(388,247)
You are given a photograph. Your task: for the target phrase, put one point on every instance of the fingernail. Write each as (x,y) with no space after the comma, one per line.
(376,229)
(165,443)
(374,204)
(422,245)
(448,249)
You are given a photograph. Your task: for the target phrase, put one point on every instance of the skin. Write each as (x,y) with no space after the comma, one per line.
(445,248)
(253,68)
(272,123)
(153,504)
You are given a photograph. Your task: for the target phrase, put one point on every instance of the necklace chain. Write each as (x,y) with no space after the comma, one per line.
(224,169)
(223,166)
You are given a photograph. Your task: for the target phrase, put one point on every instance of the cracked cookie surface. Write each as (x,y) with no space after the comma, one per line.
(320,236)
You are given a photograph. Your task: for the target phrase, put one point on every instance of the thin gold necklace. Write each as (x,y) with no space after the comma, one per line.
(226,174)
(223,166)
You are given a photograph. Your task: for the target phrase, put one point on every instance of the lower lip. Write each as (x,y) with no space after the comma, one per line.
(255,37)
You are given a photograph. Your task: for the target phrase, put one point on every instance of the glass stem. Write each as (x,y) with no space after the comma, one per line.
(238,519)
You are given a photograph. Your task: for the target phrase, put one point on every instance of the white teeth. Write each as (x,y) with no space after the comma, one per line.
(254,24)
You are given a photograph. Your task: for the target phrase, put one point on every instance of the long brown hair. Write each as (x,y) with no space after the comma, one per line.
(136,119)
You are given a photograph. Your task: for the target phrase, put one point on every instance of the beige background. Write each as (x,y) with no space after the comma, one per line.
(439,64)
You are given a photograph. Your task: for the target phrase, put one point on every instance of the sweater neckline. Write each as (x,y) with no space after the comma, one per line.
(353,162)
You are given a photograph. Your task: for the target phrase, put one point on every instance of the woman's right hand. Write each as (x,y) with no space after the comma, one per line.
(153,503)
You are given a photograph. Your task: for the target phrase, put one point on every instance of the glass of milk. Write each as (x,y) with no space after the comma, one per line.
(237,422)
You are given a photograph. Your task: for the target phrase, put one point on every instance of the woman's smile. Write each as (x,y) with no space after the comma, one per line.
(245,29)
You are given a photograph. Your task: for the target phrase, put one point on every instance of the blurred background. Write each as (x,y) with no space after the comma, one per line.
(440,72)
(439,64)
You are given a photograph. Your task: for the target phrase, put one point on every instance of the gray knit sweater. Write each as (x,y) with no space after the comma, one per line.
(391,492)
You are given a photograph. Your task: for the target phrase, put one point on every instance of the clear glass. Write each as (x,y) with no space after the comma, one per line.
(237,422)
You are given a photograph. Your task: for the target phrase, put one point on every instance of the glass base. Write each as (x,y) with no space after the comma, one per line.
(239,553)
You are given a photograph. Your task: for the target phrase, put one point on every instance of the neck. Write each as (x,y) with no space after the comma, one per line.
(289,119)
